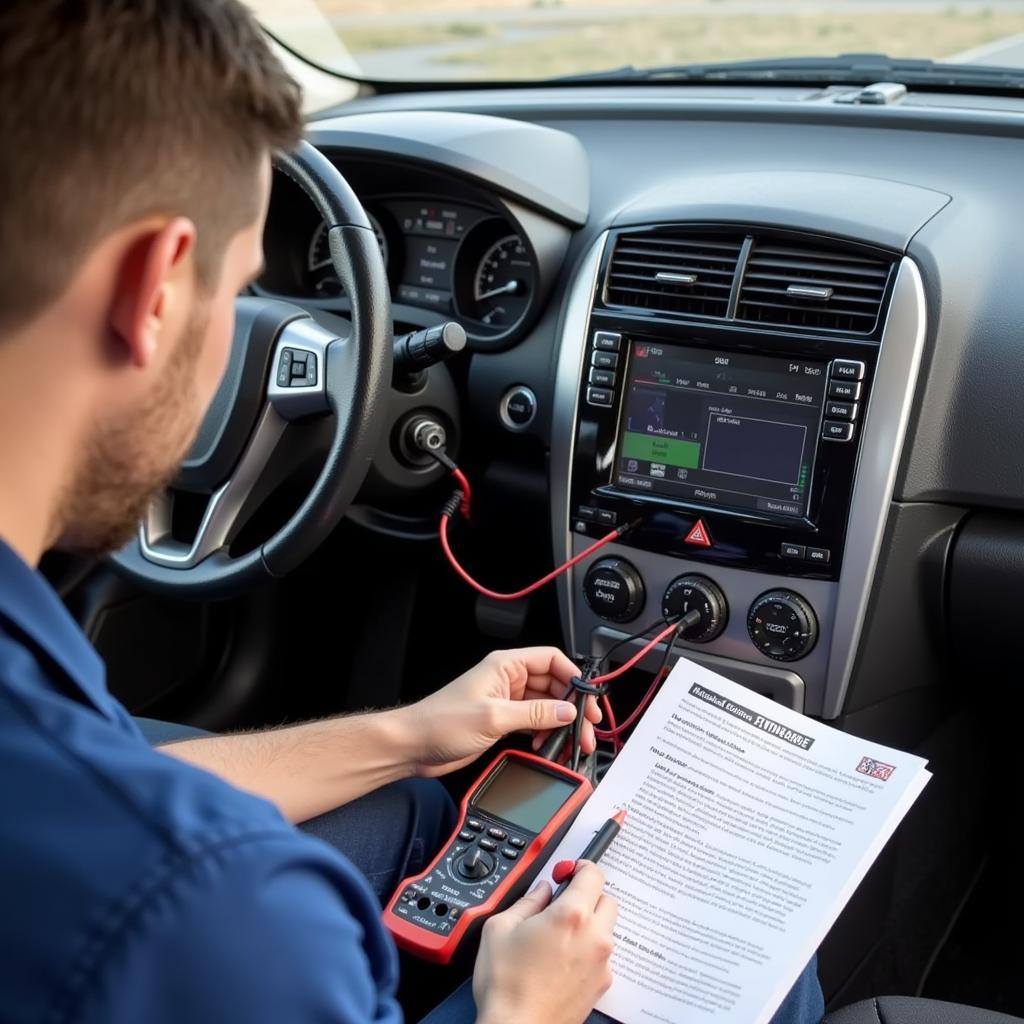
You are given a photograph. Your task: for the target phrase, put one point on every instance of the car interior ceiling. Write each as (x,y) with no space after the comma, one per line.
(588,206)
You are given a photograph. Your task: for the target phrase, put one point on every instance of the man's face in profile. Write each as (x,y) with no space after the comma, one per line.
(127,460)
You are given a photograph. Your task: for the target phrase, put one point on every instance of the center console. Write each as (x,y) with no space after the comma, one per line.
(741,398)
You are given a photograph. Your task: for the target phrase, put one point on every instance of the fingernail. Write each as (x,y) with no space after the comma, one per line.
(565,712)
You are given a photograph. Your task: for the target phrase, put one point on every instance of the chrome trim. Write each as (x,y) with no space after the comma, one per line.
(808,291)
(883,433)
(155,540)
(572,349)
(668,277)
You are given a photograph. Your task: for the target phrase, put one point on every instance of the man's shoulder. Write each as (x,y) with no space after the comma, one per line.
(113,851)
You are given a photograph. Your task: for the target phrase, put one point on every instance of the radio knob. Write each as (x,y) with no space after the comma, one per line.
(694,591)
(782,625)
(614,589)
(475,865)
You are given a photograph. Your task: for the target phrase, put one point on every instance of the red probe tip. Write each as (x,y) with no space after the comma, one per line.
(619,817)
(563,870)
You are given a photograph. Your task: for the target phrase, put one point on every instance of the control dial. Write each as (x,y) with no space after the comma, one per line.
(614,589)
(782,625)
(694,591)
(475,865)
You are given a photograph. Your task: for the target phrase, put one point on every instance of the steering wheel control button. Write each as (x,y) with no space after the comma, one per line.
(847,369)
(820,555)
(518,408)
(607,341)
(605,360)
(835,430)
(696,592)
(846,390)
(601,378)
(614,590)
(699,536)
(782,625)
(793,550)
(600,397)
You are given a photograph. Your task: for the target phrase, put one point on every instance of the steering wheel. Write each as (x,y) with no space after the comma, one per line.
(284,367)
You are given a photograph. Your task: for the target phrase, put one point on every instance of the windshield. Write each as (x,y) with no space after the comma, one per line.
(534,39)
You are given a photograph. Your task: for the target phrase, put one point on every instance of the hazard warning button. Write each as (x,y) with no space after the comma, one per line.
(699,535)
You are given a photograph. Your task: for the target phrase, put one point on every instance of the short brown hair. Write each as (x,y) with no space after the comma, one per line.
(112,110)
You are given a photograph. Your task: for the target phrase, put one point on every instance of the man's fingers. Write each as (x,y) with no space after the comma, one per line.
(606,911)
(532,715)
(586,887)
(532,903)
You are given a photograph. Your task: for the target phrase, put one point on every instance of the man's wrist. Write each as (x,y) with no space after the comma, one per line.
(401,736)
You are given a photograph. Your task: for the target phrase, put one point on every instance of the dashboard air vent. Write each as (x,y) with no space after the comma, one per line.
(673,273)
(811,286)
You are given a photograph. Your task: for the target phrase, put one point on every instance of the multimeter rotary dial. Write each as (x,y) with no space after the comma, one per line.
(475,864)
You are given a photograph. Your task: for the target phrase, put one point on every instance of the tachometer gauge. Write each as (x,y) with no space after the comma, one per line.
(503,283)
(321,266)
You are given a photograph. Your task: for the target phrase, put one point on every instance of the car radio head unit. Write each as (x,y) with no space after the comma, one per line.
(728,429)
(737,447)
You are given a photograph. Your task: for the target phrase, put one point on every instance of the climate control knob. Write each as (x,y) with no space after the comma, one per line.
(694,591)
(782,625)
(614,589)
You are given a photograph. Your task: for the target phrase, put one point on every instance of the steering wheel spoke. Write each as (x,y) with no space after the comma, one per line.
(224,509)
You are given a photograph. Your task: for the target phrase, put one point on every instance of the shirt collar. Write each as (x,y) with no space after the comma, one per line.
(32,607)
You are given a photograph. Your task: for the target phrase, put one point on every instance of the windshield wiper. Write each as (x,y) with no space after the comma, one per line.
(847,68)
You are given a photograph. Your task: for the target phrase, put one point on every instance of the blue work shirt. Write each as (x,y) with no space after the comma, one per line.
(135,888)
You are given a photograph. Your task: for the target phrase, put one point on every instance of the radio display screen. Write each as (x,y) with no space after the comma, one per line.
(720,428)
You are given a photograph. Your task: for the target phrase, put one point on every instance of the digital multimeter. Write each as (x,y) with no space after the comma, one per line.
(509,822)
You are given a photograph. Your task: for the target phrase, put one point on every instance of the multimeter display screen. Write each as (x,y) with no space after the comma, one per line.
(524,796)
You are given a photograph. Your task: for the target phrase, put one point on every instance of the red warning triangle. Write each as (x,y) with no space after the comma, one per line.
(699,535)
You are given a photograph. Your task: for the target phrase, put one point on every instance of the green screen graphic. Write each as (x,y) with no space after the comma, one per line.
(666,450)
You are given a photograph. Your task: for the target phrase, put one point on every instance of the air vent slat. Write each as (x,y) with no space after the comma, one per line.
(852,288)
(643,266)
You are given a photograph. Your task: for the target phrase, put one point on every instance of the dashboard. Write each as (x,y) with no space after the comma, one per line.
(779,331)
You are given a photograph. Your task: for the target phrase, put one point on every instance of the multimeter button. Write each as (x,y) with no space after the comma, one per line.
(496,833)
(475,864)
(509,854)
(488,844)
(517,842)
(476,826)
(466,836)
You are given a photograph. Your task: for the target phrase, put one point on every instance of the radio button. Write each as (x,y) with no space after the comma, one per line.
(601,378)
(607,341)
(605,360)
(588,513)
(793,551)
(820,555)
(841,410)
(599,396)
(834,430)
(847,390)
(847,369)
(607,517)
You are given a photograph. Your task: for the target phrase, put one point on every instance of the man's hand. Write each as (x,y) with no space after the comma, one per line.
(508,691)
(547,963)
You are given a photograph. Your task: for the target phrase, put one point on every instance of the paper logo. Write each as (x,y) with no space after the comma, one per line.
(875,769)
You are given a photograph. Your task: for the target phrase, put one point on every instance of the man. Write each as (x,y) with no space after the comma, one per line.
(169,886)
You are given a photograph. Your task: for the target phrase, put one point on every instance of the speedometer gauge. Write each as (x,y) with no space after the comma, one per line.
(503,283)
(321,266)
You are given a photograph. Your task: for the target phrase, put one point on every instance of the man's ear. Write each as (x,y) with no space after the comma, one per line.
(147,277)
